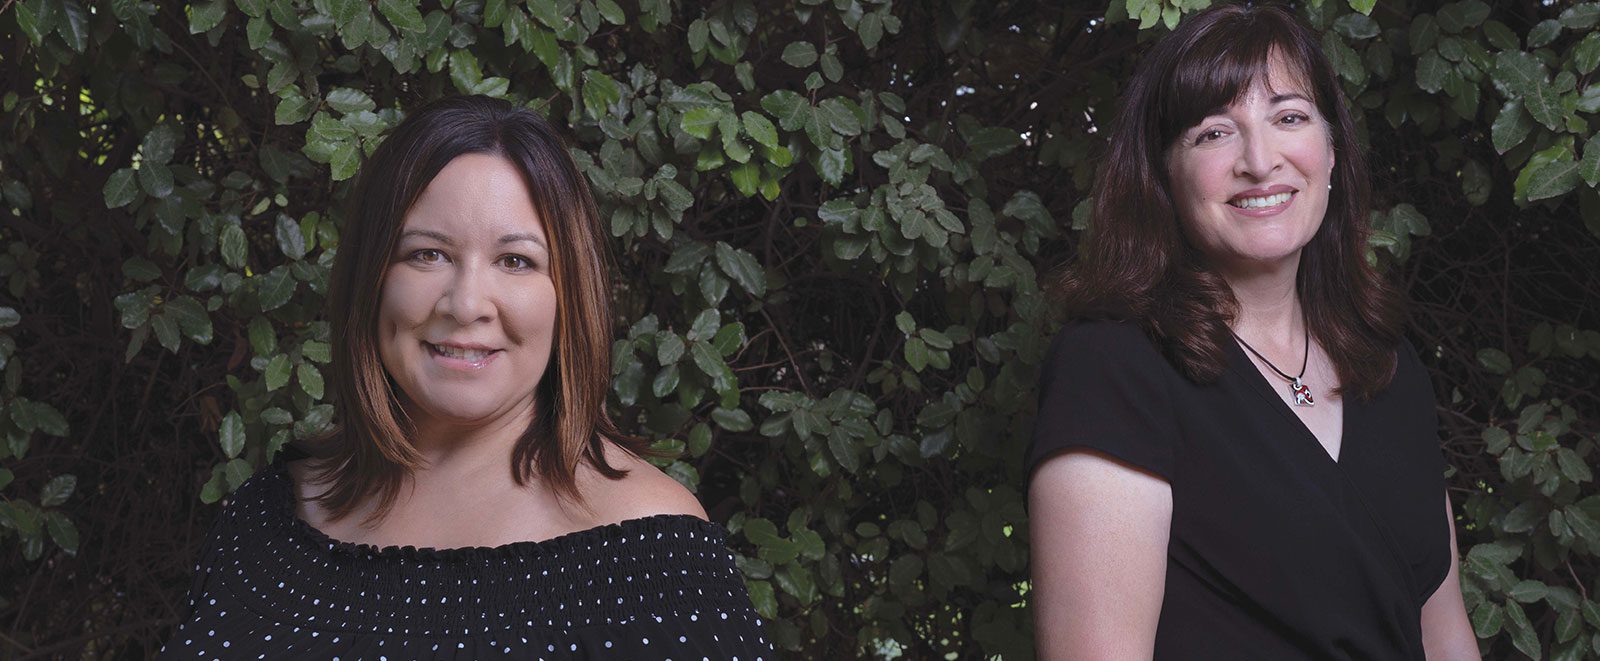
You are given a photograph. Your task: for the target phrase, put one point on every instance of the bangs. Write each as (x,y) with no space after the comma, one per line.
(1220,66)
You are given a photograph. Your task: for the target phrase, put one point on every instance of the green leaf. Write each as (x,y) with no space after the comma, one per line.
(1554,179)
(700,122)
(263,338)
(1543,33)
(233,245)
(166,328)
(310,380)
(1423,34)
(5,477)
(611,12)
(746,178)
(1487,619)
(734,420)
(257,31)
(992,141)
(1528,592)
(1363,6)
(838,115)
(790,108)
(203,17)
(292,109)
(742,268)
(348,100)
(599,92)
(62,531)
(1511,127)
(800,54)
(1431,72)
(155,179)
(1494,360)
(236,471)
(28,21)
(402,14)
(212,491)
(120,189)
(191,318)
(277,373)
(831,164)
(276,288)
(1356,26)
(231,434)
(760,129)
(159,143)
(763,598)
(290,239)
(1522,518)
(705,325)
(464,70)
(1590,170)
(57,490)
(916,354)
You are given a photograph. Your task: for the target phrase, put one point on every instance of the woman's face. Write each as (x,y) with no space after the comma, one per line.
(1251,182)
(468,307)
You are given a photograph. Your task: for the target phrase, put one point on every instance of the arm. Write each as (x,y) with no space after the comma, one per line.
(1446,633)
(1099,548)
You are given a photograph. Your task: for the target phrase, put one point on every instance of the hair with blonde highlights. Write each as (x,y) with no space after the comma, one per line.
(369,452)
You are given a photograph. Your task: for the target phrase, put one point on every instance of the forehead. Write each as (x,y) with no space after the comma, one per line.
(476,192)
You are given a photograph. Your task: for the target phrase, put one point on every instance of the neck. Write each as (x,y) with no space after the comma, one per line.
(468,453)
(1269,303)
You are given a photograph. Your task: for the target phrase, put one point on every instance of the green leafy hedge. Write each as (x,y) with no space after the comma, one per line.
(830,217)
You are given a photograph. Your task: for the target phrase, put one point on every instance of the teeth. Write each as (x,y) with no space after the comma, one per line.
(1258,202)
(473,355)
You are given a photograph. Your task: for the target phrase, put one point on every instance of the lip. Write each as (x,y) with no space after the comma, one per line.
(1263,192)
(461,364)
(1263,212)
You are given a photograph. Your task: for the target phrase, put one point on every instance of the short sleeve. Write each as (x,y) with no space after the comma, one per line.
(1105,387)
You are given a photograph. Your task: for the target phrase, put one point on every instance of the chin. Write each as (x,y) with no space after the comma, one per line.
(457,408)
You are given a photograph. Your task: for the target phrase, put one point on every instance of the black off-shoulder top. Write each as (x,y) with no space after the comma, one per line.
(271,586)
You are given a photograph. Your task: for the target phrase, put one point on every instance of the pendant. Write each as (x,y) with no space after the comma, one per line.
(1302,393)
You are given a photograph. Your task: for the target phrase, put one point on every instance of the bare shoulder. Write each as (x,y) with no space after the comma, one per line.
(645,491)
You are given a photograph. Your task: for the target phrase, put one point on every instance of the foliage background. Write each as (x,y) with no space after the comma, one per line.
(830,217)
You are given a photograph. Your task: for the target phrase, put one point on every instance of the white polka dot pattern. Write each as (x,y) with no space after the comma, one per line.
(270,586)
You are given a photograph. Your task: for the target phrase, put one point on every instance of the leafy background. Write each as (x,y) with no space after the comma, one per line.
(831,217)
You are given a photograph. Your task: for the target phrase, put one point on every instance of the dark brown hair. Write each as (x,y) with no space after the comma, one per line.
(1135,262)
(370,450)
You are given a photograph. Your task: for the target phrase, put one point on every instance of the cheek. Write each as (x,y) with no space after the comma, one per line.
(532,316)
(403,304)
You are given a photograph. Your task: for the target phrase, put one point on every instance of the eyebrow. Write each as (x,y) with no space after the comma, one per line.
(509,238)
(1280,98)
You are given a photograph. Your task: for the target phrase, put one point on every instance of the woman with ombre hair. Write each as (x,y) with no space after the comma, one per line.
(1236,454)
(474,500)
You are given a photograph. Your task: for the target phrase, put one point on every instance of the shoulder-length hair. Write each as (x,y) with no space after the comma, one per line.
(1135,262)
(370,451)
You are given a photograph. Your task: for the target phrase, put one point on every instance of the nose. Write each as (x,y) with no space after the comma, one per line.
(469,296)
(1259,156)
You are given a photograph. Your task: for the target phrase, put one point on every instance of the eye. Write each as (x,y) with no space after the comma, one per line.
(516,262)
(427,256)
(1207,136)
(1295,119)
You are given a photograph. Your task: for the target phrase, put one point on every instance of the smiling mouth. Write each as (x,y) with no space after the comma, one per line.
(470,355)
(1262,202)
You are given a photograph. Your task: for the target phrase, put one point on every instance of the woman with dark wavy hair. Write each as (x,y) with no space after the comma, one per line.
(1236,453)
(474,501)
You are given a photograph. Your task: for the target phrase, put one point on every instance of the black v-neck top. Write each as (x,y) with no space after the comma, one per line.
(271,586)
(1277,551)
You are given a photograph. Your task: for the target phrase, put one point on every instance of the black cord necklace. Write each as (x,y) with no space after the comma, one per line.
(1300,391)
